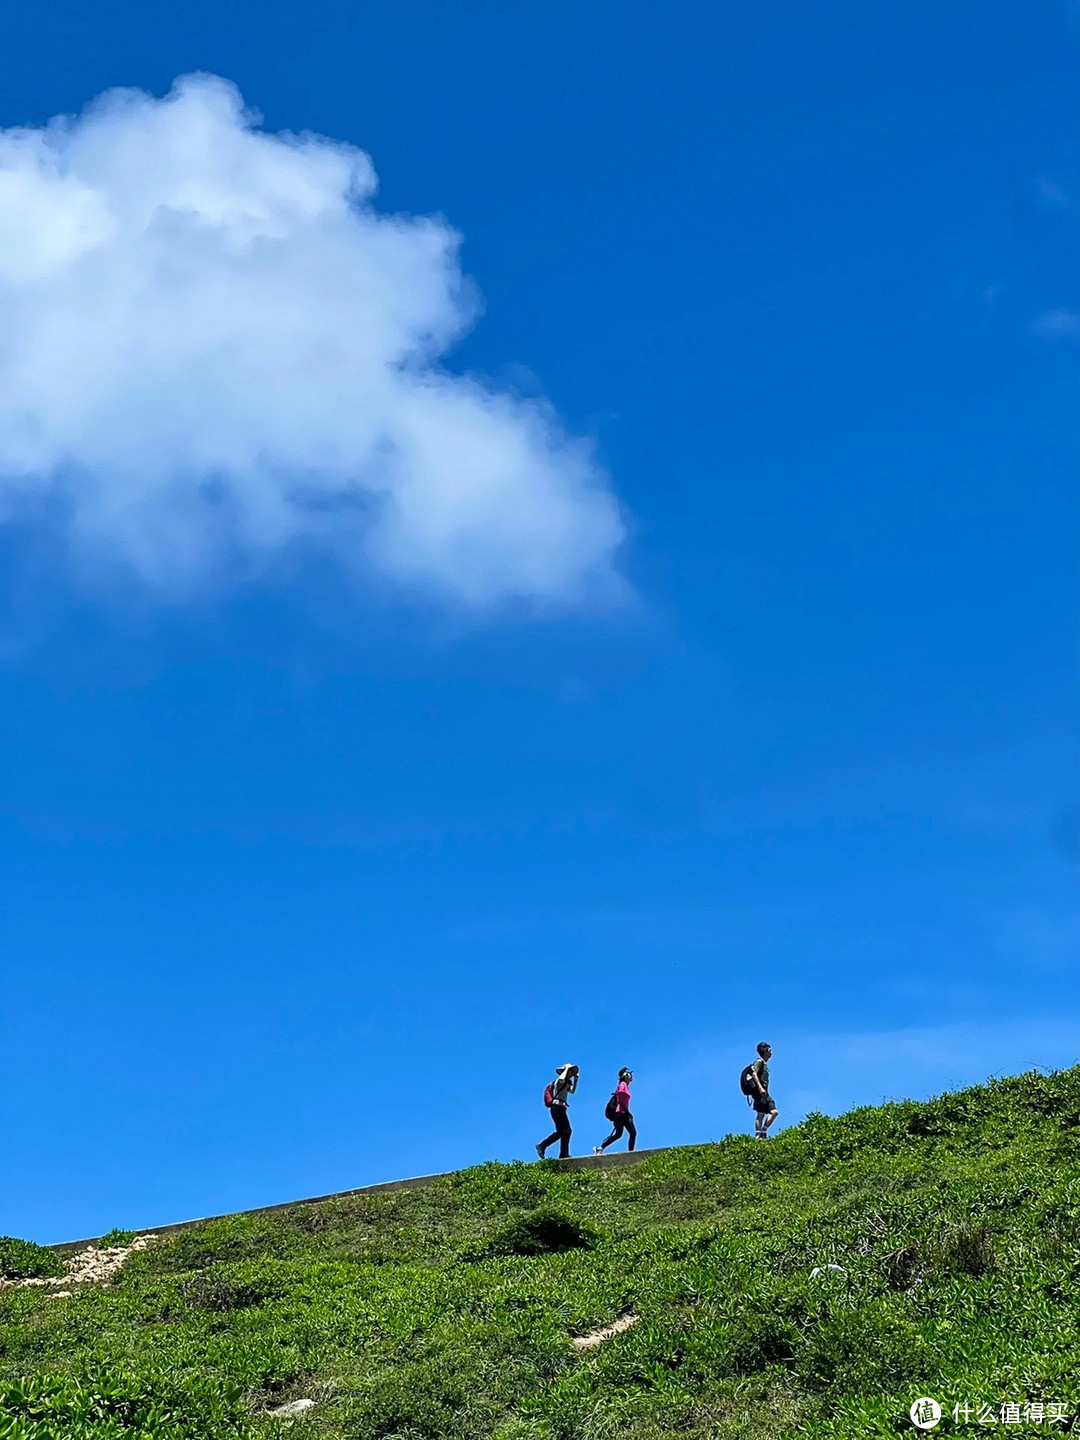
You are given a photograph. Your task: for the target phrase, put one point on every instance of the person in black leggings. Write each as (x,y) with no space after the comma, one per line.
(621,1123)
(566,1078)
(619,1113)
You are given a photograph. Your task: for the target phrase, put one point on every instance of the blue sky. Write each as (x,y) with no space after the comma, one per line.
(738,701)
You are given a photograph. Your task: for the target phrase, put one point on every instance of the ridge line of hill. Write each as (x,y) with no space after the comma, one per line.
(415,1182)
(813,1288)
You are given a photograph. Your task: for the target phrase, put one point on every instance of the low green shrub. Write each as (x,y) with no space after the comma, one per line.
(112,1406)
(224,1288)
(237,1237)
(541,1232)
(115,1238)
(965,1250)
(874,1349)
(23,1260)
(761,1340)
(494,1189)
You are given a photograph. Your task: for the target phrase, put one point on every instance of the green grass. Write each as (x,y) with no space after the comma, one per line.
(447,1313)
(23,1260)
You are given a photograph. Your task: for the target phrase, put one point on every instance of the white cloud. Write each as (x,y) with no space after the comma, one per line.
(212,348)
(1058,325)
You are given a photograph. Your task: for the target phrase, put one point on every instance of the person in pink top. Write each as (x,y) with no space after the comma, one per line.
(618,1112)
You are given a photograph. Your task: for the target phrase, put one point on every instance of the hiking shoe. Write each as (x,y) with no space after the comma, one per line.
(540,1151)
(596,1150)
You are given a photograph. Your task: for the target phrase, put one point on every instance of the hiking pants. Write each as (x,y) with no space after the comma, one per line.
(623,1121)
(561,1120)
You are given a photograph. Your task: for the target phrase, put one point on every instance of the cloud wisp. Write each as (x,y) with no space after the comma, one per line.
(1058,325)
(215,352)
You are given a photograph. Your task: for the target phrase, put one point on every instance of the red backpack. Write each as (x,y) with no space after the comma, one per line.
(549,1094)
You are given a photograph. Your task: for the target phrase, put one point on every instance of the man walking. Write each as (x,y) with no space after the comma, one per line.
(556,1098)
(765,1111)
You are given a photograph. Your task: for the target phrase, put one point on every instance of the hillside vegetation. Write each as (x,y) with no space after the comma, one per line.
(449,1313)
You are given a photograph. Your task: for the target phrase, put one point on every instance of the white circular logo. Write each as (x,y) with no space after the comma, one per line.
(925,1413)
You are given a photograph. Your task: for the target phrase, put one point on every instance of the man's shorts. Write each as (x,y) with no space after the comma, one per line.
(763,1104)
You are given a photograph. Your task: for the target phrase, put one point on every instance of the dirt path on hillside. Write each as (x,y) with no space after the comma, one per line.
(584,1343)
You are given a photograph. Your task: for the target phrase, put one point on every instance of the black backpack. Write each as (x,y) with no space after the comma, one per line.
(748,1082)
(611,1110)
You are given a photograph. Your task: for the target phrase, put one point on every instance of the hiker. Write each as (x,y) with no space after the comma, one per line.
(556,1097)
(755,1086)
(618,1112)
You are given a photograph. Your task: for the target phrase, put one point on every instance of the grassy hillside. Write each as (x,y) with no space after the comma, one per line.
(448,1313)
